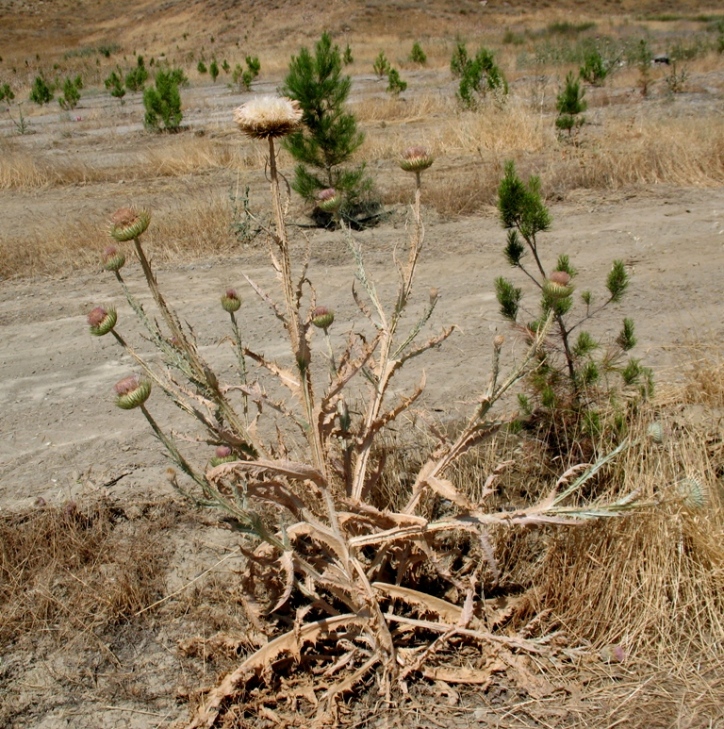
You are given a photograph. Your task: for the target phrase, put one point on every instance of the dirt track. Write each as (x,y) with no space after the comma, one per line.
(64,438)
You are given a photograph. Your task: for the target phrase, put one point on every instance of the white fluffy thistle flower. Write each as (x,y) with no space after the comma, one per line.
(268,116)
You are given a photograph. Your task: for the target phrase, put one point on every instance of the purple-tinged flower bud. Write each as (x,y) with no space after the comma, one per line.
(113,259)
(223,455)
(101,321)
(230,301)
(129,223)
(329,200)
(322,317)
(416,159)
(558,285)
(131,392)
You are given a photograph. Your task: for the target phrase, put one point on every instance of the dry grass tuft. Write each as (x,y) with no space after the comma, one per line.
(69,569)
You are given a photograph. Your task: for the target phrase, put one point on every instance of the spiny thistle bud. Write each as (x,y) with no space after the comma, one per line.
(223,455)
(230,301)
(693,492)
(268,116)
(655,431)
(557,285)
(498,341)
(129,223)
(131,392)
(613,654)
(113,259)
(329,200)
(322,317)
(434,294)
(101,321)
(416,159)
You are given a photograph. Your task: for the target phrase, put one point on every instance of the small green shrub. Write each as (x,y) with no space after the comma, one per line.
(6,93)
(243,77)
(114,84)
(479,76)
(136,78)
(347,57)
(41,92)
(594,69)
(395,85)
(459,59)
(417,55)
(381,66)
(214,70)
(569,29)
(644,57)
(225,67)
(71,93)
(570,105)
(163,103)
(676,78)
(201,67)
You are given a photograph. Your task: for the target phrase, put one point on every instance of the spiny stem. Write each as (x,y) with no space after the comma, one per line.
(242,363)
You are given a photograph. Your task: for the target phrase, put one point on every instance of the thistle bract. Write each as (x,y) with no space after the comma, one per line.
(113,259)
(328,200)
(129,223)
(131,392)
(416,159)
(230,301)
(101,321)
(223,455)
(322,317)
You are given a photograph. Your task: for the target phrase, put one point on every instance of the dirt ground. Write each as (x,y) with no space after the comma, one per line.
(63,440)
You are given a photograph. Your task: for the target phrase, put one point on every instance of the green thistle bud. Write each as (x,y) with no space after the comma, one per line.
(230,301)
(557,285)
(101,321)
(131,392)
(129,223)
(416,159)
(322,317)
(223,455)
(113,259)
(329,200)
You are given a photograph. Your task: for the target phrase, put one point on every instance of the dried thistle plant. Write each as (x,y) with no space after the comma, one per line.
(348,573)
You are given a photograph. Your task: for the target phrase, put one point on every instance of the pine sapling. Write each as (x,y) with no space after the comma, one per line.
(323,146)
(570,105)
(575,370)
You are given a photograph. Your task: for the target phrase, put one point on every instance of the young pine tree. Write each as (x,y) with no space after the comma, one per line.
(328,136)
(577,375)
(570,105)
(163,102)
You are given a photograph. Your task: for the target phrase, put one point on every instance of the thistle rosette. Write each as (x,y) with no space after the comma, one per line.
(129,223)
(113,259)
(231,301)
(132,392)
(101,321)
(416,159)
(322,317)
(268,117)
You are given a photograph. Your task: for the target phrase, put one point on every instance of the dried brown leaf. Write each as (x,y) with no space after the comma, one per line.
(208,712)
(446,610)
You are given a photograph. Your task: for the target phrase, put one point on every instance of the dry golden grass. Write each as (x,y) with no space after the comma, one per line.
(69,570)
